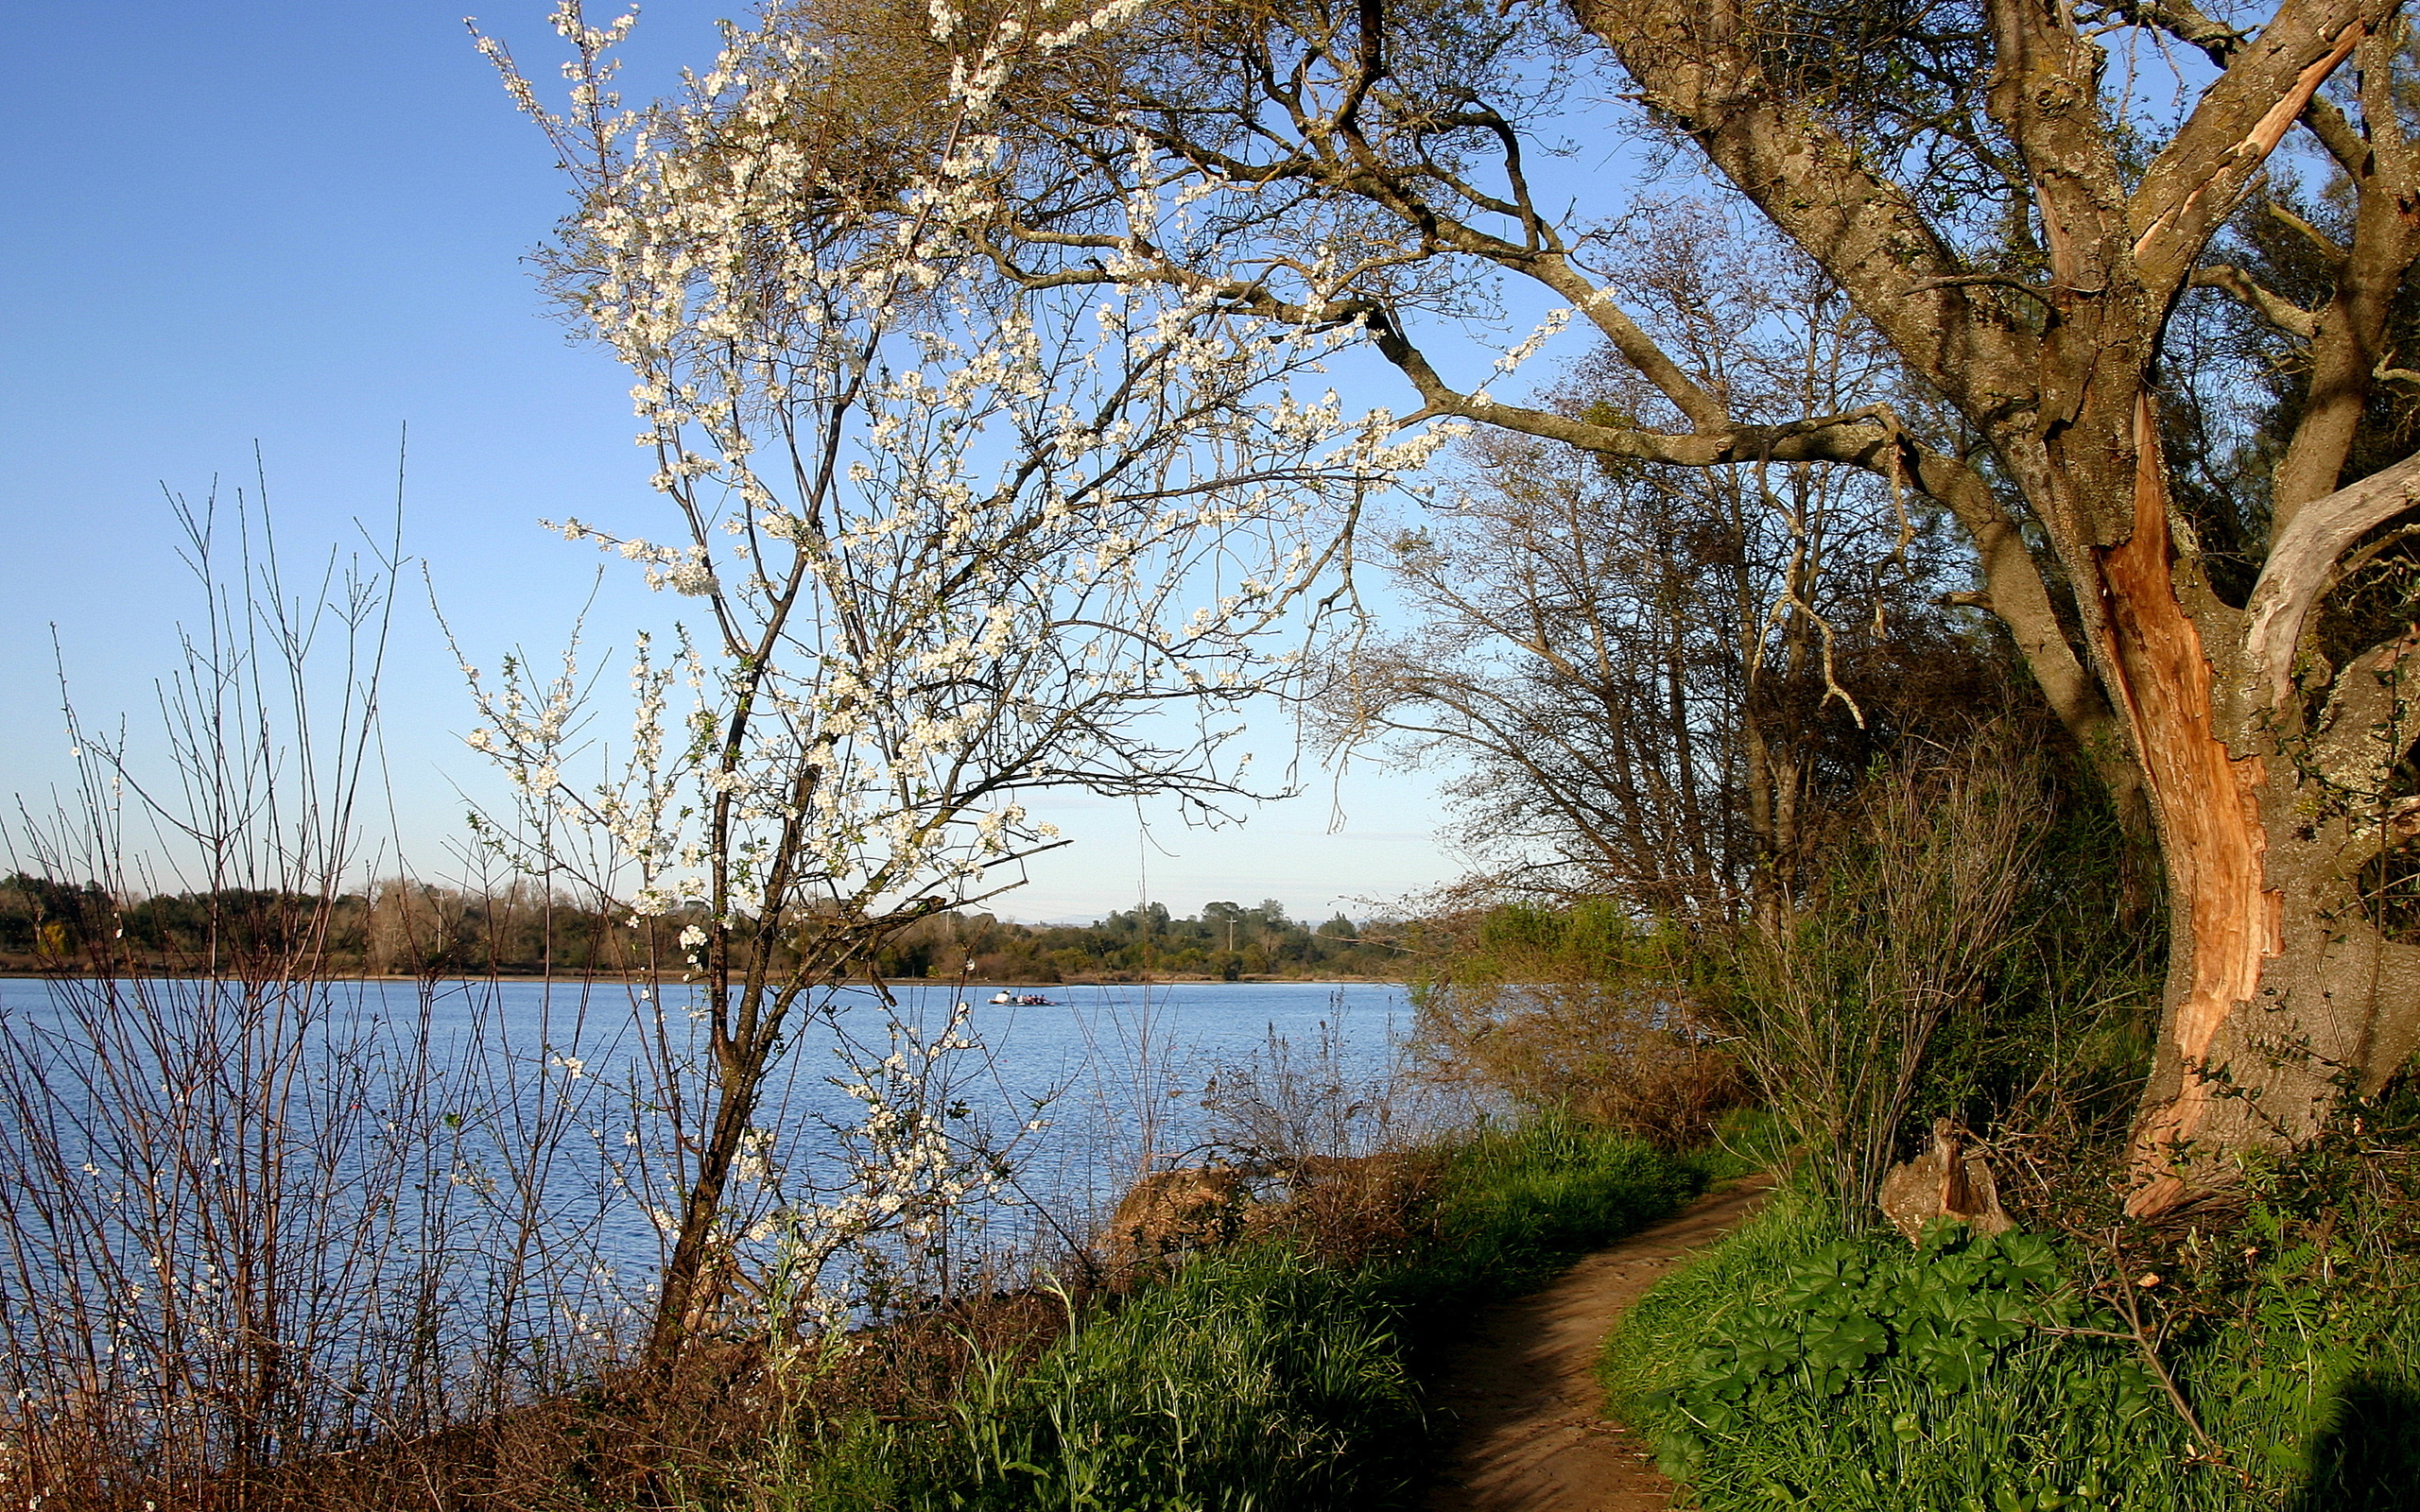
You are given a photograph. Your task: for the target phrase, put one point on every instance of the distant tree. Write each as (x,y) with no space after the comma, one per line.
(43,916)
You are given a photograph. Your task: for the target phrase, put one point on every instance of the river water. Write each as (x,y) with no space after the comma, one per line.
(547,1105)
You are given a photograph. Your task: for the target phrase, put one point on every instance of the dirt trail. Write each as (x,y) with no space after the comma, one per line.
(1522,1383)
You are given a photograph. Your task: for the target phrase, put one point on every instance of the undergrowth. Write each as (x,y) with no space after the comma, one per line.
(2265,1357)
(1258,1375)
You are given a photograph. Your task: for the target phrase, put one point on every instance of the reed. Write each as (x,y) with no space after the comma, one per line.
(252,1213)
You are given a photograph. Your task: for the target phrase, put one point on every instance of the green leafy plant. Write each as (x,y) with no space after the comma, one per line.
(2017,1374)
(1950,1307)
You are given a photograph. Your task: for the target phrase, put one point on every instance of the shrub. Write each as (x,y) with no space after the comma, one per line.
(1581,1013)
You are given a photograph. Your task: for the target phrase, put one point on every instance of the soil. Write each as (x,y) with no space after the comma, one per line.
(1521,1384)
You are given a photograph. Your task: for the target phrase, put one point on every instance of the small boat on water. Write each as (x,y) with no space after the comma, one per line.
(1022,999)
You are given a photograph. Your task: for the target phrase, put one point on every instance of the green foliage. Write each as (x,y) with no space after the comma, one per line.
(1950,1307)
(1786,1369)
(1517,1205)
(42,915)
(1251,1380)
(1256,1377)
(413,928)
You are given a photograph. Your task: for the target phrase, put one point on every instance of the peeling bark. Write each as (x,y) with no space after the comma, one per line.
(2207,801)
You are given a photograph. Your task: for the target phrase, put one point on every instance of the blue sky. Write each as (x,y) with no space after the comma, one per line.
(302,224)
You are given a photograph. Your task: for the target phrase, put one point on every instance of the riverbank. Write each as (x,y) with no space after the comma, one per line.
(1280,1356)
(1291,1368)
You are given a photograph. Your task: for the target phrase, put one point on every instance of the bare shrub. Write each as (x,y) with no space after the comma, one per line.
(1345,1211)
(1580,1012)
(1335,1164)
(1286,1104)
(1617,1054)
(252,1214)
(223,1203)
(1838,1001)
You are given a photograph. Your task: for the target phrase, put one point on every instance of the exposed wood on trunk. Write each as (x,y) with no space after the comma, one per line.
(2207,802)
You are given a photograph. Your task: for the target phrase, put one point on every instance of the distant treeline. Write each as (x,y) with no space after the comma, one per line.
(414,929)
(1225,940)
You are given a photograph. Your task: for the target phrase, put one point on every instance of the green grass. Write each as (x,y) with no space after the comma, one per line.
(1255,1382)
(1516,1207)
(1658,1338)
(1785,1369)
(1253,1379)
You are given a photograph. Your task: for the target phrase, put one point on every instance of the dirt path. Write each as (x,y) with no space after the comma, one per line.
(1523,1385)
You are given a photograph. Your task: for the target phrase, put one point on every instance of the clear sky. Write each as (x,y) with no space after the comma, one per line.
(299,224)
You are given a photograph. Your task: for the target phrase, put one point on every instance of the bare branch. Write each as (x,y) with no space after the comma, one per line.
(2328,246)
(2273,307)
(2301,566)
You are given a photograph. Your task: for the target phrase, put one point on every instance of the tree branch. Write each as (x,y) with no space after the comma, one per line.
(2273,307)
(1854,438)
(2183,21)
(1701,69)
(2239,121)
(2329,246)
(2301,567)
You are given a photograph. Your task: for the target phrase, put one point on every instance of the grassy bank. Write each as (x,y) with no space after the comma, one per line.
(1279,1372)
(1790,1367)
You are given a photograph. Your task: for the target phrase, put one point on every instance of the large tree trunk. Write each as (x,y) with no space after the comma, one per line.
(2281,992)
(2267,796)
(2285,990)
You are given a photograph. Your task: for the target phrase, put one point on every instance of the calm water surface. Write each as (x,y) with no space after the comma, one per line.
(1091,1087)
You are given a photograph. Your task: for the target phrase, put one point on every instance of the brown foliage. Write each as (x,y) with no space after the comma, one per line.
(1608,1054)
(1336,1210)
(632,1439)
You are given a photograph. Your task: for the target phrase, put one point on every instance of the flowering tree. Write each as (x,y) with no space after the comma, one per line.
(952,542)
